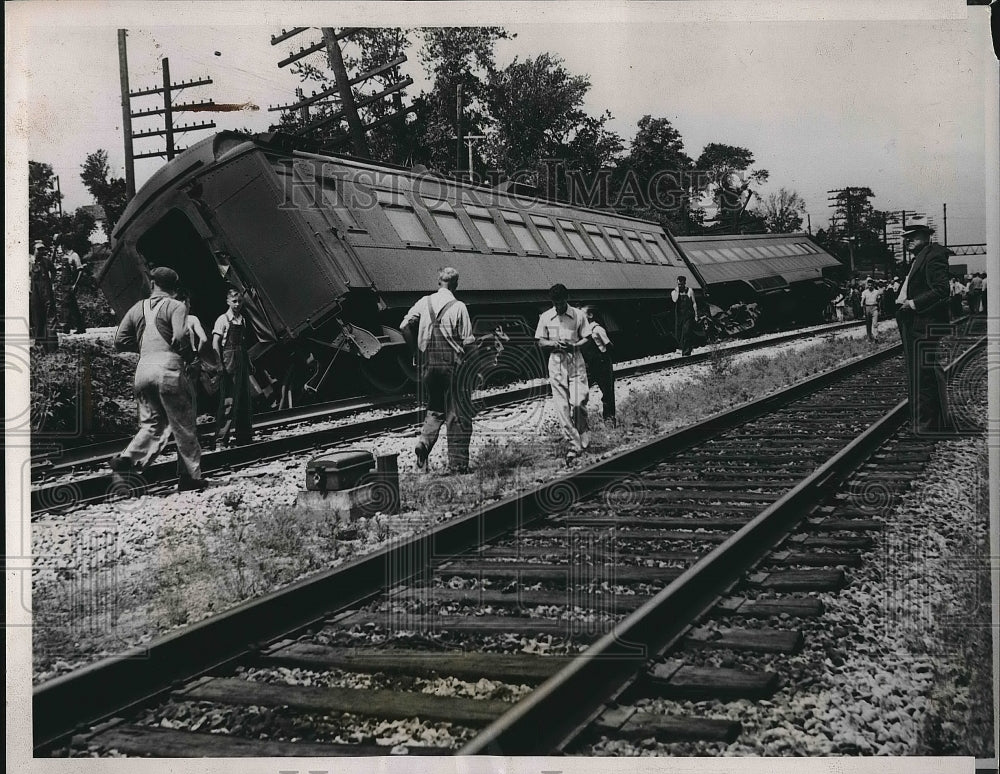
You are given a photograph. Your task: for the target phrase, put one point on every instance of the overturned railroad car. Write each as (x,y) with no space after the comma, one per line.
(331,251)
(788,276)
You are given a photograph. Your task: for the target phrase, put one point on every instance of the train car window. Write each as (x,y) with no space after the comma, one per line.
(654,247)
(569,228)
(516,223)
(551,236)
(483,221)
(333,199)
(449,224)
(602,244)
(402,217)
(638,248)
(619,242)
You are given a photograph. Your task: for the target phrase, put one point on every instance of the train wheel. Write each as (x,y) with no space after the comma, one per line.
(388,373)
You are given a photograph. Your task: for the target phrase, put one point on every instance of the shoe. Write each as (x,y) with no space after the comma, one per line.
(121,464)
(421,453)
(192,485)
(585,439)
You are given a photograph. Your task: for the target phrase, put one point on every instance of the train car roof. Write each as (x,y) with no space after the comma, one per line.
(763,260)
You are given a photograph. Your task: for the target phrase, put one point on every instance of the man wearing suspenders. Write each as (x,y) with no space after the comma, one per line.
(444,335)
(156,328)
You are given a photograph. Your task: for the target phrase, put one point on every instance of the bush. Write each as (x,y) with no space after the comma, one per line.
(82,389)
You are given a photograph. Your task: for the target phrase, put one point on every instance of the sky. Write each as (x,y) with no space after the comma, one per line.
(895,104)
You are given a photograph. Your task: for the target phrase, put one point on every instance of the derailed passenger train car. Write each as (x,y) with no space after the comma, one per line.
(788,276)
(332,250)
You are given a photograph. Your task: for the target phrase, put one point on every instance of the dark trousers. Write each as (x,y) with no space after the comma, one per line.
(974,297)
(235,412)
(447,391)
(926,383)
(956,305)
(600,371)
(684,334)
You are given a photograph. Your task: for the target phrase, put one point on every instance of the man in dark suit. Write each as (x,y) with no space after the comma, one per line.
(923,319)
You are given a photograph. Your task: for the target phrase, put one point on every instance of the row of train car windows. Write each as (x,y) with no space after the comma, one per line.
(408,225)
(745,252)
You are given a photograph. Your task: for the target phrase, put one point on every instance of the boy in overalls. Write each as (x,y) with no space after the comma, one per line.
(230,341)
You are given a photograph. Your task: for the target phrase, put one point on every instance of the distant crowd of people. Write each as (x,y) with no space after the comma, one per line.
(873,299)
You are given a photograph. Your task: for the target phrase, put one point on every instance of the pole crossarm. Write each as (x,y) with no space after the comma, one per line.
(173,87)
(276,39)
(363,103)
(154,154)
(176,129)
(205,104)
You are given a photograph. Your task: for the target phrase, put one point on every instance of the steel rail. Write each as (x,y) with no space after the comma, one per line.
(99,487)
(548,719)
(47,461)
(116,684)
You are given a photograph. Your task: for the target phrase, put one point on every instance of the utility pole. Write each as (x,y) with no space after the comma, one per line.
(58,191)
(359,143)
(340,97)
(303,109)
(946,224)
(459,114)
(469,141)
(168,89)
(168,116)
(809,224)
(126,116)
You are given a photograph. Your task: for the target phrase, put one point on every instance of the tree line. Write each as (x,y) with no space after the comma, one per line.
(537,132)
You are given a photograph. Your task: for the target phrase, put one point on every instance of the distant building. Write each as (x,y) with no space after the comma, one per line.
(97,236)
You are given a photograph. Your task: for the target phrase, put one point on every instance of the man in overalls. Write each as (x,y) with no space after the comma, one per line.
(41,299)
(156,329)
(562,332)
(685,314)
(230,341)
(444,336)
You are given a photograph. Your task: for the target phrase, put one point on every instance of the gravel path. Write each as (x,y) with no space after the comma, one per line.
(153,563)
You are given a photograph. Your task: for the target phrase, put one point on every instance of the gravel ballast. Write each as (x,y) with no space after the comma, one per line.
(158,562)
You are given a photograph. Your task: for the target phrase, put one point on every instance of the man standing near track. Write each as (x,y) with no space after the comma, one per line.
(561,332)
(685,314)
(156,328)
(870,301)
(443,338)
(923,319)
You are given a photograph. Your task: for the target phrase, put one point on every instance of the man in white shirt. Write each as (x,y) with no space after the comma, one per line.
(562,332)
(869,300)
(444,336)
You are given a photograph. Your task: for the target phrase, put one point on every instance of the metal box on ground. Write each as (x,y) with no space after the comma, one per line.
(339,470)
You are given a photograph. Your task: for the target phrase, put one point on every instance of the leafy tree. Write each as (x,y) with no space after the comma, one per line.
(654,180)
(782,211)
(43,201)
(726,170)
(538,119)
(108,191)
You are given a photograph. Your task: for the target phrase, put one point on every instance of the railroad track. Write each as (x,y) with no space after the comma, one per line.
(614,574)
(70,479)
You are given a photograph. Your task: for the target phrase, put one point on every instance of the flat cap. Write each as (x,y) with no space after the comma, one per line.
(919,228)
